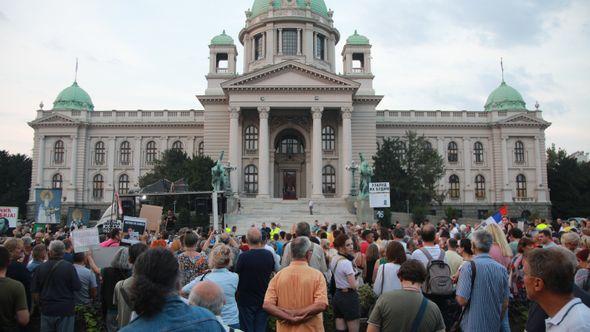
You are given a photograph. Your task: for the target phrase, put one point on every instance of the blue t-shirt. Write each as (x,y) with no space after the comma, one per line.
(280,246)
(88,281)
(254,268)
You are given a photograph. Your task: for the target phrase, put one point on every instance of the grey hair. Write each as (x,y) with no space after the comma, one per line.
(27,241)
(57,248)
(300,246)
(221,256)
(213,304)
(121,259)
(482,240)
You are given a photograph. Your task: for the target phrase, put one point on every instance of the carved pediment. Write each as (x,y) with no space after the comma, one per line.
(524,119)
(54,119)
(290,75)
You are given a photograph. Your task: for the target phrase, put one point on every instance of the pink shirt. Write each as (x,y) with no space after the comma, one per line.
(496,254)
(110,243)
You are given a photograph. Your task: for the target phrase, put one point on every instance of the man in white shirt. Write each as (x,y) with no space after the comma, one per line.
(549,280)
(428,240)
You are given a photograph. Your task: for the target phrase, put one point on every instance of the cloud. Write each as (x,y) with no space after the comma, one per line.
(3,17)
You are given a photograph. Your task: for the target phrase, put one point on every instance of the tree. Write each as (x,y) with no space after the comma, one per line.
(412,168)
(15,180)
(569,181)
(175,165)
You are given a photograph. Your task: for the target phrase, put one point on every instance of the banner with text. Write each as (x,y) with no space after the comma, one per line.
(379,195)
(133,229)
(10,215)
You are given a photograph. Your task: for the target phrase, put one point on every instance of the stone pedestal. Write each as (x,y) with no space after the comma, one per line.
(364,212)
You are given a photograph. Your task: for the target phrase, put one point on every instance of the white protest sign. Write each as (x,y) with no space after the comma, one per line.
(84,239)
(9,213)
(379,195)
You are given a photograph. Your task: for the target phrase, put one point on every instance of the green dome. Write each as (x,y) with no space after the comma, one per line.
(261,6)
(505,98)
(73,98)
(357,39)
(222,39)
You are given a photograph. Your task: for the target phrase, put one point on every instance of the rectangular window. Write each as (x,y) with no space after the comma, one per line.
(319,47)
(258,47)
(289,42)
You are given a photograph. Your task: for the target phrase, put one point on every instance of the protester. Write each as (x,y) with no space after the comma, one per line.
(500,251)
(549,282)
(514,237)
(114,239)
(455,260)
(122,291)
(582,277)
(346,304)
(209,295)
(53,286)
(110,276)
(318,258)
(570,241)
(486,299)
(428,240)
(87,292)
(39,255)
(220,259)
(17,270)
(297,294)
(191,262)
(254,268)
(546,239)
(156,300)
(14,312)
(406,309)
(371,257)
(387,275)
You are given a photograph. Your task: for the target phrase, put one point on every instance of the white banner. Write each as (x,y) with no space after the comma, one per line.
(10,214)
(379,187)
(84,239)
(379,195)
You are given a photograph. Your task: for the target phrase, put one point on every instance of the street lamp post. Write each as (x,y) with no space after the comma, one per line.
(353,167)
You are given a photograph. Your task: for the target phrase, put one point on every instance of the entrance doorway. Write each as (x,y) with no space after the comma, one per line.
(289,184)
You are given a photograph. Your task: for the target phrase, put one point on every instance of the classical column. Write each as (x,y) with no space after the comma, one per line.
(263,153)
(346,149)
(41,161)
(137,159)
(317,152)
(74,167)
(110,175)
(299,42)
(506,191)
(234,146)
(541,197)
(280,41)
(467,165)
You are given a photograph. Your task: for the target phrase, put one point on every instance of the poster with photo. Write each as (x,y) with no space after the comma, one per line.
(78,217)
(133,229)
(9,215)
(48,204)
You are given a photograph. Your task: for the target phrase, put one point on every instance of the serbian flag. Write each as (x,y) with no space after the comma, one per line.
(496,218)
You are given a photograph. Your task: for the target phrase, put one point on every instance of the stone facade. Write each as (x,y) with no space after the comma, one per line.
(291,125)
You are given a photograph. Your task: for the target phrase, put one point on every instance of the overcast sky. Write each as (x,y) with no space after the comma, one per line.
(148,54)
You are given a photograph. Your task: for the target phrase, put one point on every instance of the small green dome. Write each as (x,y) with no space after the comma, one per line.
(261,6)
(222,39)
(73,98)
(505,98)
(357,39)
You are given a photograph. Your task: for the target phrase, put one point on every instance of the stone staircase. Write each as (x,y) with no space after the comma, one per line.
(255,211)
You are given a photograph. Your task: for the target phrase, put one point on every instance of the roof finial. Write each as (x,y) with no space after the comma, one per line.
(356,33)
(223,32)
(76,73)
(502,66)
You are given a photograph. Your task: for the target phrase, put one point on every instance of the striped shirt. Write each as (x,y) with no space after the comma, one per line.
(488,294)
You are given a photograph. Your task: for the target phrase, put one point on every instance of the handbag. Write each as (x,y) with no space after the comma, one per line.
(457,325)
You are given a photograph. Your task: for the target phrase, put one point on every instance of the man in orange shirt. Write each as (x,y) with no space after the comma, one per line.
(297,295)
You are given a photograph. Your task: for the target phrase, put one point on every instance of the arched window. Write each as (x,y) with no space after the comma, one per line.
(519,152)
(329,180)
(251,138)
(125,153)
(201,149)
(99,153)
(328,138)
(521,186)
(478,152)
(58,152)
(97,186)
(57,181)
(150,152)
(452,152)
(290,145)
(427,145)
(454,187)
(177,146)
(480,187)
(251,179)
(123,184)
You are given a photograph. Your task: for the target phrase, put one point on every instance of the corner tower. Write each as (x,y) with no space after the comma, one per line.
(222,62)
(283,30)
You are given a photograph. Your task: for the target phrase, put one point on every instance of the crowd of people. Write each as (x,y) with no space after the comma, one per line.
(427,277)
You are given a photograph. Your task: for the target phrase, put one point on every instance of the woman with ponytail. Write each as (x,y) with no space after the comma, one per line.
(155,298)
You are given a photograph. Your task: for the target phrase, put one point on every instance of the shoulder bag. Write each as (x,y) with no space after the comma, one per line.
(457,325)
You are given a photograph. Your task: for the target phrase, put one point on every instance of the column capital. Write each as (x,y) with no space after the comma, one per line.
(263,112)
(316,112)
(234,112)
(346,112)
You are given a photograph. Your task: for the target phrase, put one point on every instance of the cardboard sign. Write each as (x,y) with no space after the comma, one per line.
(153,215)
(134,228)
(10,214)
(104,256)
(84,239)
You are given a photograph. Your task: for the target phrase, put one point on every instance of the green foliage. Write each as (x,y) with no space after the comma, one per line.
(88,318)
(15,180)
(175,165)
(367,299)
(451,213)
(569,181)
(412,169)
(419,214)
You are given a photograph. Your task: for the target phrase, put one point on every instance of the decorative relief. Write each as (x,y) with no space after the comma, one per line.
(263,112)
(234,112)
(316,112)
(346,112)
(300,120)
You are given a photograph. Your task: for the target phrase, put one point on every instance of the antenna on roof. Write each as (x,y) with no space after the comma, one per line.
(502,66)
(76,72)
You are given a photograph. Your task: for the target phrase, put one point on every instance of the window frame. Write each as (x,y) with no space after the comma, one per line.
(519,152)
(478,152)
(251,179)
(151,151)
(178,146)
(99,153)
(251,138)
(123,187)
(289,45)
(57,181)
(480,187)
(97,186)
(58,152)
(319,51)
(454,186)
(328,138)
(521,186)
(329,180)
(201,149)
(452,152)
(258,47)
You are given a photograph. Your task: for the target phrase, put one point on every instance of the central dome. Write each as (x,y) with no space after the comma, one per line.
(505,98)
(73,98)
(261,6)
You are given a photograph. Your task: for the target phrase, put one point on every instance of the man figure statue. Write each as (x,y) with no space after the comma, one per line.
(366,173)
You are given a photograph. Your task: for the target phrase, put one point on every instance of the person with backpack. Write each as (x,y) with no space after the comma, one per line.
(345,300)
